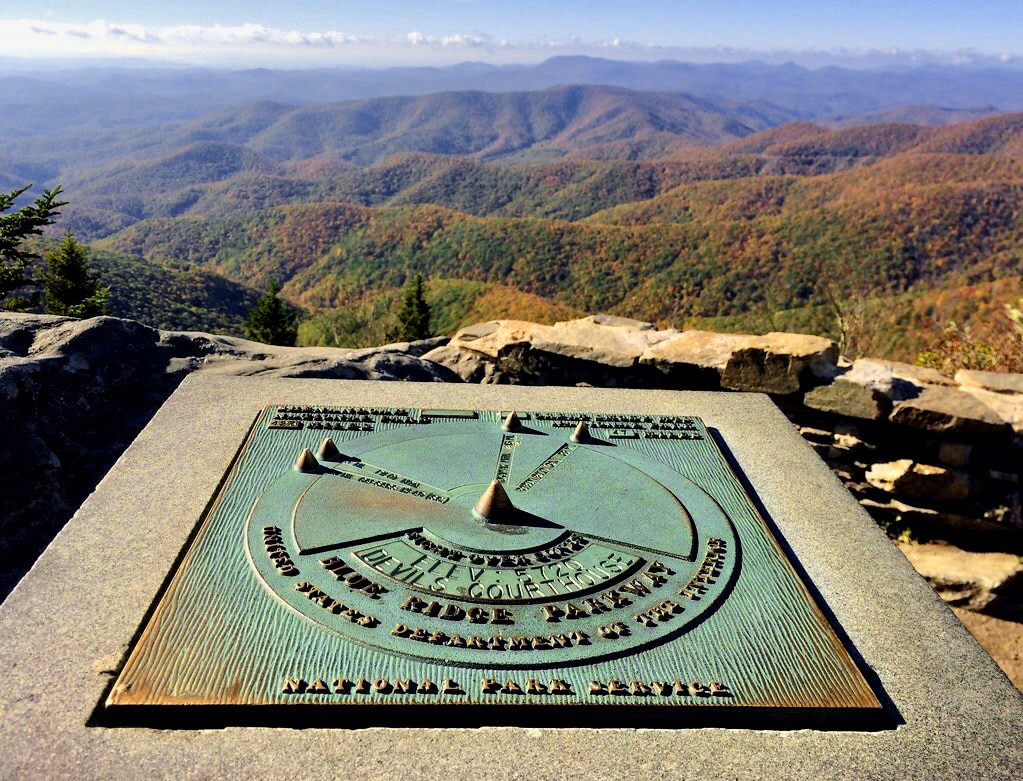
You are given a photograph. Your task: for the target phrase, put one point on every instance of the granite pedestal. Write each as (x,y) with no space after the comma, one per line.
(68,625)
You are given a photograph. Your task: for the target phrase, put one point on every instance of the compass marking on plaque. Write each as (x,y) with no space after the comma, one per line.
(504,462)
(371,474)
(546,467)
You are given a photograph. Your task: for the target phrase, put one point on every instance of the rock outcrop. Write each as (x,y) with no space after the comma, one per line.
(74,393)
(618,352)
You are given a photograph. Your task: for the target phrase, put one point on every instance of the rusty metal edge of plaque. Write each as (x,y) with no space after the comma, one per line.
(472,559)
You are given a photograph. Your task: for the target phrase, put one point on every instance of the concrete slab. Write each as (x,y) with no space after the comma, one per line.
(69,623)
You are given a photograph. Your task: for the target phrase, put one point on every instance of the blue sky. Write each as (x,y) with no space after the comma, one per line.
(379,32)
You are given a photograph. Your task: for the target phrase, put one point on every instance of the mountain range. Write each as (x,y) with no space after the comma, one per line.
(757,202)
(758,233)
(70,117)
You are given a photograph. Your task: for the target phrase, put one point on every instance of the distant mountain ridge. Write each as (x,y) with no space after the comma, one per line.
(554,122)
(84,111)
(910,115)
(156,92)
(215,178)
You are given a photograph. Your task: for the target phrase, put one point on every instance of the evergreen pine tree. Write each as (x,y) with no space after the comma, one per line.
(15,277)
(70,287)
(414,314)
(271,321)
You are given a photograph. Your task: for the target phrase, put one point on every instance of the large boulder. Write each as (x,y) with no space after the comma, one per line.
(597,350)
(976,404)
(778,363)
(195,351)
(869,388)
(73,394)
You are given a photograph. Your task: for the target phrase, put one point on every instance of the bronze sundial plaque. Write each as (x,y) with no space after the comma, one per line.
(370,556)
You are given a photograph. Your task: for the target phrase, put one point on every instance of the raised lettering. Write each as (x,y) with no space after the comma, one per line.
(414,604)
(558,686)
(404,686)
(453,613)
(552,612)
(500,615)
(661,687)
(635,587)
(639,688)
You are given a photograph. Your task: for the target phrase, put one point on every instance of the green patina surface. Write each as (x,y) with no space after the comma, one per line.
(631,567)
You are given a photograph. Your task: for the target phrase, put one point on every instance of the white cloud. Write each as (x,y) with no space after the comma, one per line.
(471,41)
(189,34)
(256,44)
(459,41)
(219,35)
(26,37)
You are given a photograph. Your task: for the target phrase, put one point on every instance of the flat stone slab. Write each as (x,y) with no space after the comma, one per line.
(1008,406)
(947,410)
(617,347)
(920,481)
(69,623)
(999,382)
(853,399)
(773,363)
(614,341)
(919,375)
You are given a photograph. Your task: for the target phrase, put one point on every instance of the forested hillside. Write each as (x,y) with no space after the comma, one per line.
(925,222)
